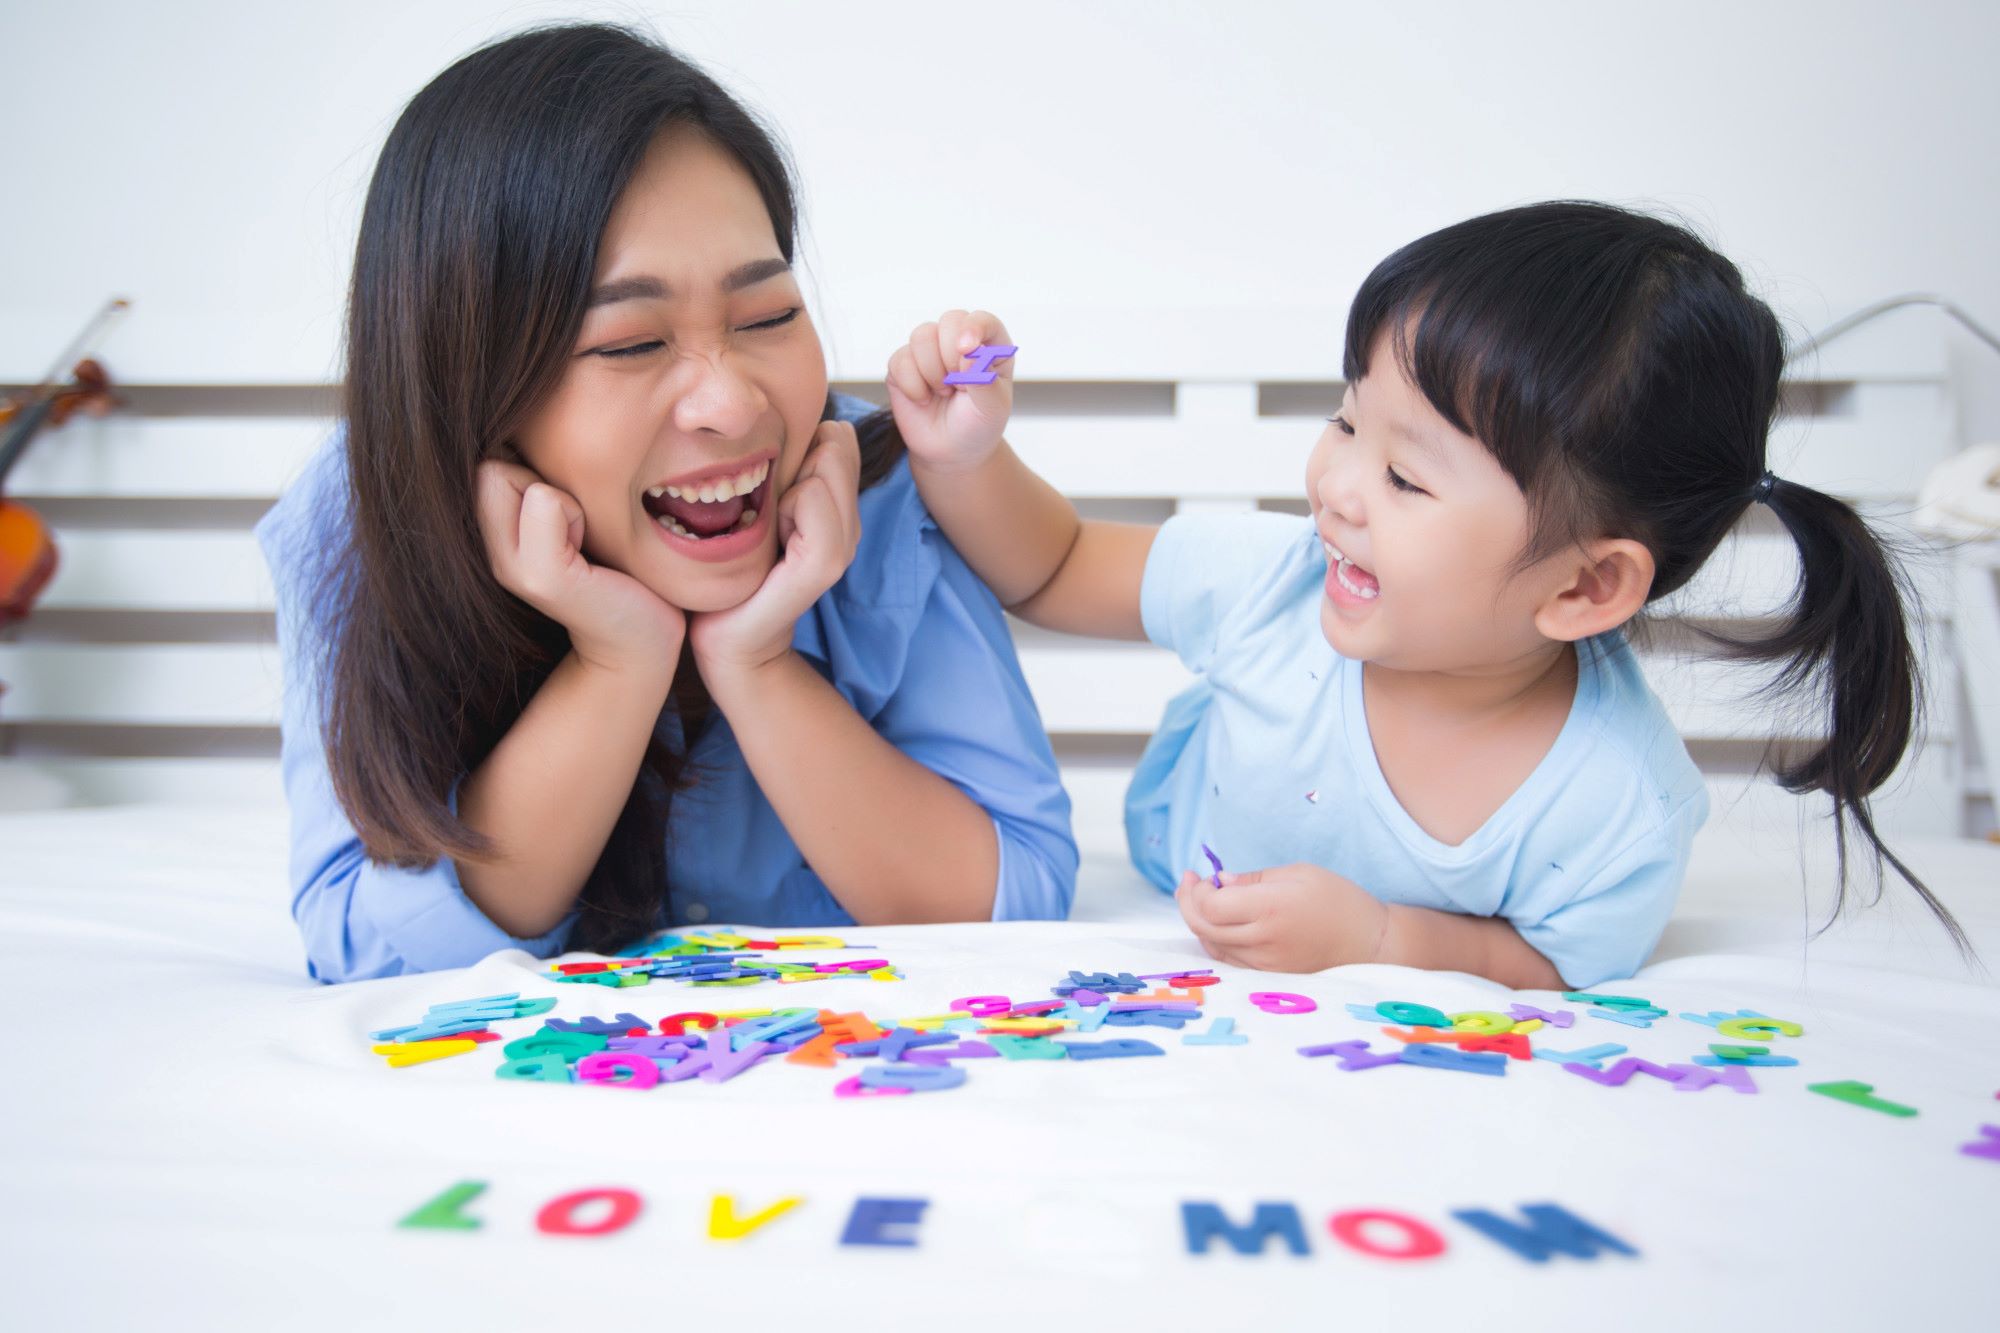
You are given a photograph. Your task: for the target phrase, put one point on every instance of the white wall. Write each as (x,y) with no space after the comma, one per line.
(1249,161)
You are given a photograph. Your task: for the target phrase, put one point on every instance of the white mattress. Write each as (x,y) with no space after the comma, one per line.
(198,1137)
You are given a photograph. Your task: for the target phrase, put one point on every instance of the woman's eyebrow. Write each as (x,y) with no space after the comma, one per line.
(652,289)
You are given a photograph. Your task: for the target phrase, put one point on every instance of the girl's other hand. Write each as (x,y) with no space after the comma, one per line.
(819,526)
(950,427)
(1295,918)
(534,543)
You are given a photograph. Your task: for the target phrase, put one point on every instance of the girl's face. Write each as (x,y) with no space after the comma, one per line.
(695,385)
(1422,526)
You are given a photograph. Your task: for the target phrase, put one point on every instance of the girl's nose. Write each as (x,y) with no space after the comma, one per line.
(1339,490)
(716,399)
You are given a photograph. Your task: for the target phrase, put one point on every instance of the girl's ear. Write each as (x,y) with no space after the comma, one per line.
(1607,585)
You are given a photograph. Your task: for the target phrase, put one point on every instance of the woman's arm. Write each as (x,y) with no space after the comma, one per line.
(551,790)
(358,918)
(580,741)
(892,840)
(1016,531)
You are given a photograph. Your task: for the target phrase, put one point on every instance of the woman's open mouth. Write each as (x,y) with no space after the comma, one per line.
(715,507)
(716,517)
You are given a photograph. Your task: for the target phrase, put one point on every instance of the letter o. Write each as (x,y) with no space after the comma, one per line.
(1282,1002)
(558,1216)
(1419,1241)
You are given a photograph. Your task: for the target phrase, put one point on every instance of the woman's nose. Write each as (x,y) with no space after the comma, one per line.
(716,399)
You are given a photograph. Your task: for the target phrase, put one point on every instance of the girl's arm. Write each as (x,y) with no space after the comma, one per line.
(1017,532)
(1486,946)
(1302,918)
(551,790)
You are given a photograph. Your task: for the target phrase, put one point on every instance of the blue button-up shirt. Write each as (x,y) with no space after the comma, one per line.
(908,636)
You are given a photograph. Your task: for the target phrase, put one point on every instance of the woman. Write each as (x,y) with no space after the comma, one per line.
(603,614)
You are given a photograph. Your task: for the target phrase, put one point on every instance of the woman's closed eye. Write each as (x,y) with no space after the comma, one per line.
(636,349)
(777,321)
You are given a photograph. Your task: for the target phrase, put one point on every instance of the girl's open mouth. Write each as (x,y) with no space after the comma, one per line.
(1350,578)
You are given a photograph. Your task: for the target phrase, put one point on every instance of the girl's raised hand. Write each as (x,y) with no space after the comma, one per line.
(819,526)
(534,543)
(950,426)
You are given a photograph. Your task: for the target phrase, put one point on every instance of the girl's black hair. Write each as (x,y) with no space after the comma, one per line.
(1622,374)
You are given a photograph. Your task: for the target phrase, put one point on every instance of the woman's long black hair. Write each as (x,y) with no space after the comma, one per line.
(1623,375)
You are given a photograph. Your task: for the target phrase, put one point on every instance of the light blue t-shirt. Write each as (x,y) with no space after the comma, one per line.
(909,636)
(1267,759)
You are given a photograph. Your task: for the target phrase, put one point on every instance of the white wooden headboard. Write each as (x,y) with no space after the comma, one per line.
(149,670)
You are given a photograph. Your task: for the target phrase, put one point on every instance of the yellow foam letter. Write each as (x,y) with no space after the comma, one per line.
(724,1224)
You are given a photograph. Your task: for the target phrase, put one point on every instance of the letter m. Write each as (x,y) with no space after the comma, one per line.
(1205,1221)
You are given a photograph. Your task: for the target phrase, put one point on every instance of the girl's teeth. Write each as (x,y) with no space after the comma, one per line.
(656,492)
(723,491)
(674,491)
(749,517)
(1340,572)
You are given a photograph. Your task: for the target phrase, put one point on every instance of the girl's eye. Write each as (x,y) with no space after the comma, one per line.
(1400,484)
(1342,422)
(776,321)
(636,349)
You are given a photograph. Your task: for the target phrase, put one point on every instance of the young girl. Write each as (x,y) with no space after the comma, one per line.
(602,614)
(1553,416)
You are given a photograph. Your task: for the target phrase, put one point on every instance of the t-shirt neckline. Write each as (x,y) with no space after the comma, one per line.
(1361,749)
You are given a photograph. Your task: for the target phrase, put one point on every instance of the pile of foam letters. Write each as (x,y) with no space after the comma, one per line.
(930,1053)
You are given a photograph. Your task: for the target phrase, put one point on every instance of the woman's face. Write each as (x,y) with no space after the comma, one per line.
(694,388)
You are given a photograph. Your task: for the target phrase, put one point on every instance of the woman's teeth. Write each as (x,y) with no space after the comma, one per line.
(709,492)
(672,525)
(1351,576)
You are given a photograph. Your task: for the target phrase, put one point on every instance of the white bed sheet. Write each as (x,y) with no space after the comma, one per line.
(198,1137)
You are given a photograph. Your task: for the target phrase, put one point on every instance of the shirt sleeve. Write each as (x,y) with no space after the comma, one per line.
(358,919)
(1607,930)
(962,709)
(1200,568)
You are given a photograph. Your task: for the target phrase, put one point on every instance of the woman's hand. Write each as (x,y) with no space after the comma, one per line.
(534,543)
(1296,918)
(950,427)
(819,525)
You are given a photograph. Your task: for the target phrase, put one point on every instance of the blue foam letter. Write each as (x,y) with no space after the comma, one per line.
(1552,1230)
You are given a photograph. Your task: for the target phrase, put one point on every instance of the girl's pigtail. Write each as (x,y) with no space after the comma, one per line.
(1844,644)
